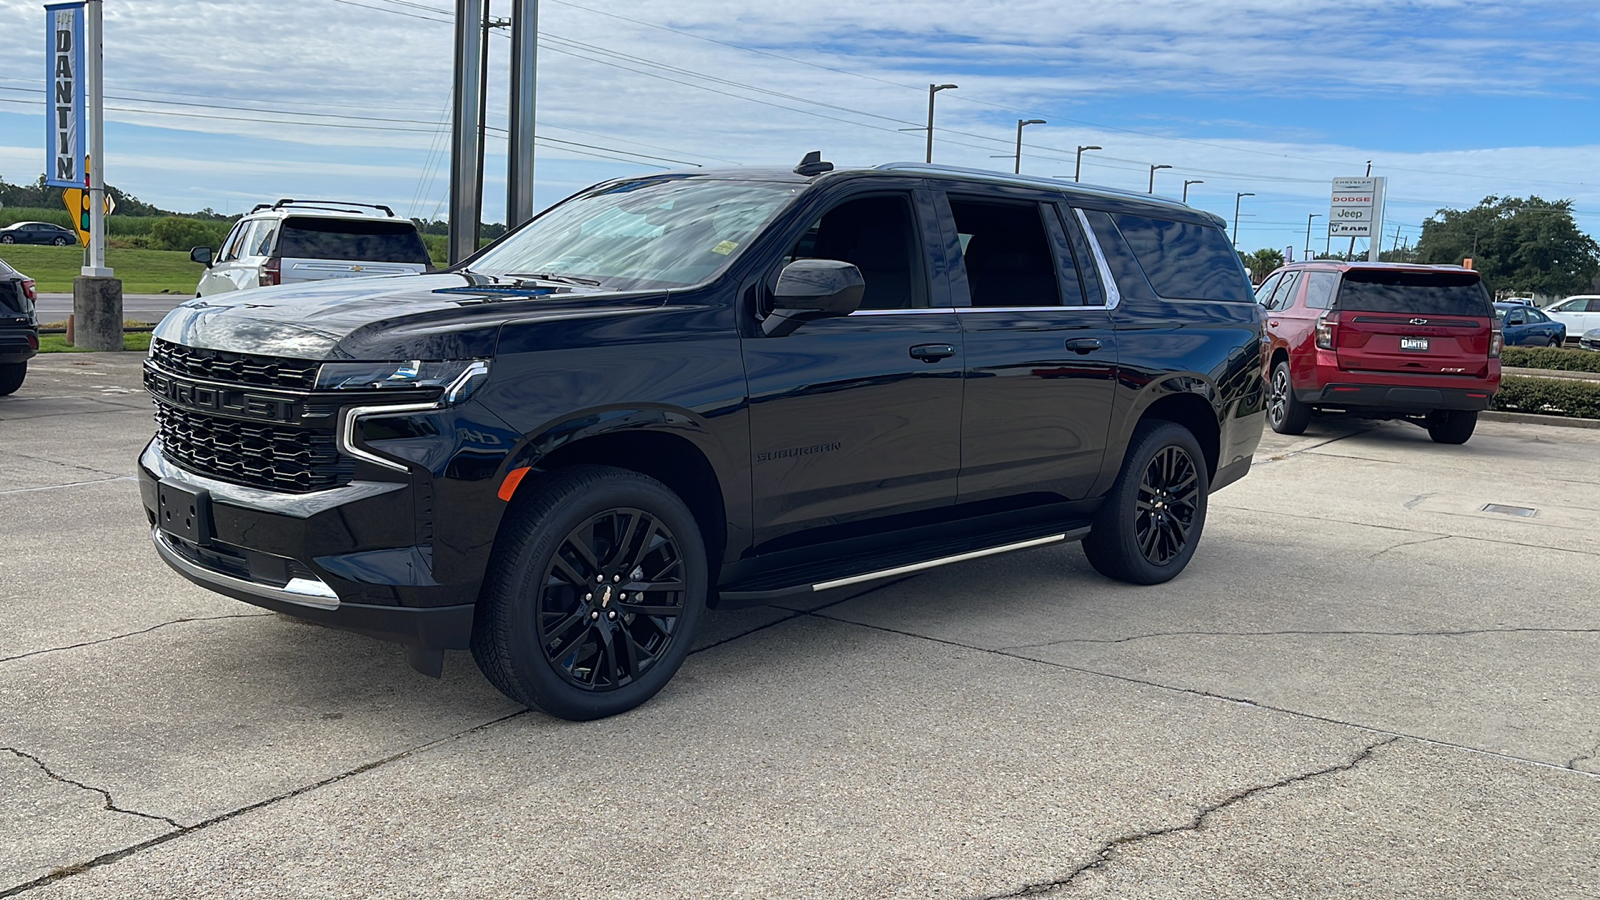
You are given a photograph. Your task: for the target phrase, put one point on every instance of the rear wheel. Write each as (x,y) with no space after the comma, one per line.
(1147,529)
(7,239)
(1285,413)
(60,242)
(1451,426)
(11,376)
(598,582)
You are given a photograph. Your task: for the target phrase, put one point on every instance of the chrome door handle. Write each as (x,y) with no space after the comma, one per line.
(1083,345)
(932,352)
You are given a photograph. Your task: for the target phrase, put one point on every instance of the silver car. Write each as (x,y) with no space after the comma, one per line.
(294,241)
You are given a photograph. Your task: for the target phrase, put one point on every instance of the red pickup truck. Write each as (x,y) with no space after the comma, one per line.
(1379,340)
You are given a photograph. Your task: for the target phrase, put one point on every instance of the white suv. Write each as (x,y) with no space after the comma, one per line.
(292,241)
(1579,313)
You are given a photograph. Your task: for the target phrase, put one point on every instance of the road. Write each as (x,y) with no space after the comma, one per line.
(1364,686)
(136,307)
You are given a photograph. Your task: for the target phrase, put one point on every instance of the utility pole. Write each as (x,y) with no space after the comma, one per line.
(524,75)
(463,142)
(489,22)
(1186,188)
(1396,239)
(934,89)
(1308,232)
(1153,169)
(1020,123)
(1236,198)
(1078,169)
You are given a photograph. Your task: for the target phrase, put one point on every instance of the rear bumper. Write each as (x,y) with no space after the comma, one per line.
(1397,399)
(18,344)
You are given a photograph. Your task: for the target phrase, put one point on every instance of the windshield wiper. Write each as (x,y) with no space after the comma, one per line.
(552,277)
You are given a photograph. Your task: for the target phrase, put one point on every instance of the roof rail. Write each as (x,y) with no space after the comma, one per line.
(990,175)
(330,205)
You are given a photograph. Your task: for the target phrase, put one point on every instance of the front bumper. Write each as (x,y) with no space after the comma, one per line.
(1392,399)
(346,557)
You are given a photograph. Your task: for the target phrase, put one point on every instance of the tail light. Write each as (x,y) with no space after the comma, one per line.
(272,272)
(1324,332)
(1497,339)
(28,290)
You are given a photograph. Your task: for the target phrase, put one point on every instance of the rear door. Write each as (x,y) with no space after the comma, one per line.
(313,248)
(1413,322)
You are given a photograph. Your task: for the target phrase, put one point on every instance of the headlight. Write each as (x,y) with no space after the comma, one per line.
(458,378)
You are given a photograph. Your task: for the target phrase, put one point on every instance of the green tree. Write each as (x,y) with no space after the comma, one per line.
(1521,245)
(1262,262)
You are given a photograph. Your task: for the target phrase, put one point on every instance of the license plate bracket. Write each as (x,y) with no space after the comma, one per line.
(1416,344)
(183,512)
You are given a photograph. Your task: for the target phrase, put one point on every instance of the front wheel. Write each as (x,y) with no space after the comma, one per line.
(1148,526)
(11,377)
(1555,340)
(597,584)
(1285,413)
(1451,426)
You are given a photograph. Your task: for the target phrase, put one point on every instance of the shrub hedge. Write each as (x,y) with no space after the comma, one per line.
(1550,396)
(1550,358)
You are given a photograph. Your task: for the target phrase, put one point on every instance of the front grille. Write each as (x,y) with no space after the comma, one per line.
(235,368)
(273,456)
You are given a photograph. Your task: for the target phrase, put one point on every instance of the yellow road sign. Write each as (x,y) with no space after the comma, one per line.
(76,200)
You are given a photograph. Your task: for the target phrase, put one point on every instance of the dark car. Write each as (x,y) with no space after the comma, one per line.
(19,327)
(1527,326)
(1380,340)
(37,233)
(717,387)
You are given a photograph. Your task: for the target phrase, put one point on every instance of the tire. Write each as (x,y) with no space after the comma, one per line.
(1451,426)
(60,242)
(11,376)
(554,628)
(7,239)
(1555,340)
(1150,522)
(1285,413)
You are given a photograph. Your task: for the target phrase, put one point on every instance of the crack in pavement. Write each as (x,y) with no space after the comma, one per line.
(182,830)
(1573,762)
(1288,454)
(1437,537)
(1463,537)
(70,484)
(118,637)
(110,804)
(1107,851)
(70,465)
(1212,695)
(1292,632)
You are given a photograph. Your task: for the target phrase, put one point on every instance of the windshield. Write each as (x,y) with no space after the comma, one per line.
(650,233)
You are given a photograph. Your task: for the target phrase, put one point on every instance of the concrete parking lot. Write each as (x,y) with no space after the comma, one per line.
(1365,685)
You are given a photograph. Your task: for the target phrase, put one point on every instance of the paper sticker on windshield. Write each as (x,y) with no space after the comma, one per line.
(725,248)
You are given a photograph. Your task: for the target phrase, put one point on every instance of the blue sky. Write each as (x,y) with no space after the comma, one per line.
(224,105)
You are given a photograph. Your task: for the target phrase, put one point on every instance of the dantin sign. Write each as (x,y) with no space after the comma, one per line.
(65,136)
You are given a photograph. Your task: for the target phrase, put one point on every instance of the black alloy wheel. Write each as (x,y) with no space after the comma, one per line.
(1285,413)
(596,586)
(1148,526)
(612,595)
(1169,495)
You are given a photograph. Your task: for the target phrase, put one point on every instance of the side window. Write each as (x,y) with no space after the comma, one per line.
(1264,292)
(877,236)
(1536,316)
(1319,289)
(259,243)
(1185,261)
(230,244)
(1516,317)
(1007,254)
(1283,296)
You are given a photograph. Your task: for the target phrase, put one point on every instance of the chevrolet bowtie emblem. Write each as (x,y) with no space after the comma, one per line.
(605,597)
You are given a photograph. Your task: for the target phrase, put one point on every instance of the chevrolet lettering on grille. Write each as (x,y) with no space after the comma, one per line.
(209,398)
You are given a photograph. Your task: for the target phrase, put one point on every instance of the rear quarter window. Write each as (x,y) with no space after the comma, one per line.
(353,240)
(1184,261)
(1417,293)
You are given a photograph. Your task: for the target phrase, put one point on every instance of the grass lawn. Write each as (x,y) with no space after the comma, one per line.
(57,343)
(141,271)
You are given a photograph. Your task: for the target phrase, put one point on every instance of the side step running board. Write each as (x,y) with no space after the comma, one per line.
(907,569)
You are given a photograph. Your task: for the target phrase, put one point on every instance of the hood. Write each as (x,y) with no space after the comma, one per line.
(440,316)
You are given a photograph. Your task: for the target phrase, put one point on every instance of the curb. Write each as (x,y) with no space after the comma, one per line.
(1495,415)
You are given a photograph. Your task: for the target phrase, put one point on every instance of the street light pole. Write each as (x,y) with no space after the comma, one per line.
(1017,170)
(1078,169)
(934,89)
(1236,198)
(1153,177)
(1186,188)
(1308,232)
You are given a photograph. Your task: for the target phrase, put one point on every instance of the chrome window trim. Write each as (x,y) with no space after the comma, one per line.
(312,592)
(903,312)
(1113,296)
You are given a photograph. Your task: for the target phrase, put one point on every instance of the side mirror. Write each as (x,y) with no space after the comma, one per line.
(201,255)
(810,289)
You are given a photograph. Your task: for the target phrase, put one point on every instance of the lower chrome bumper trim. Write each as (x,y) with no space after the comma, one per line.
(304,591)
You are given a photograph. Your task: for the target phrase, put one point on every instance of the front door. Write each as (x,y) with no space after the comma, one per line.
(855,419)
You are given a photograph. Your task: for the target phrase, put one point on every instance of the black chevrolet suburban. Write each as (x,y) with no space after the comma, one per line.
(700,389)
